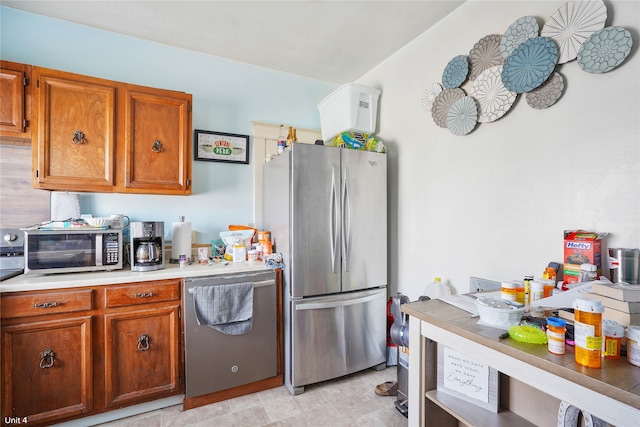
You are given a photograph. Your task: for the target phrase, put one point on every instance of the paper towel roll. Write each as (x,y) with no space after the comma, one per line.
(181,239)
(64,206)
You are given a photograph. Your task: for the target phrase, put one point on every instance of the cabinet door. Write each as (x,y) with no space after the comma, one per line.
(142,355)
(75,132)
(15,102)
(46,370)
(157,142)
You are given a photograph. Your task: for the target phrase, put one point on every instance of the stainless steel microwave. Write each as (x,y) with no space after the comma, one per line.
(72,250)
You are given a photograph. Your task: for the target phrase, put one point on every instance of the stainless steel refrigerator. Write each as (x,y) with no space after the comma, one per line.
(326,208)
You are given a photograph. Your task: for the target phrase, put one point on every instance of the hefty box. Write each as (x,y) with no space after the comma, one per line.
(581,247)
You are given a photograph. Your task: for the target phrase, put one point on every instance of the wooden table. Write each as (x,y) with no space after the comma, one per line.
(611,393)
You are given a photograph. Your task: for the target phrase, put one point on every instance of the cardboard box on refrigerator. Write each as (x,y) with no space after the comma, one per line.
(581,247)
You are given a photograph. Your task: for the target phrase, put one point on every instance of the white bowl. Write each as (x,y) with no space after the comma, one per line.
(499,313)
(98,222)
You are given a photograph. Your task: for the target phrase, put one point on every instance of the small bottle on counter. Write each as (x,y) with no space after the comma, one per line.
(182,260)
(633,345)
(290,136)
(508,291)
(588,273)
(549,286)
(612,333)
(536,290)
(588,332)
(556,329)
(527,291)
(266,248)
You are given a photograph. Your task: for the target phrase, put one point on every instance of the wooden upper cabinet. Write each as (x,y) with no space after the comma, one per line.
(157,142)
(75,132)
(99,135)
(15,100)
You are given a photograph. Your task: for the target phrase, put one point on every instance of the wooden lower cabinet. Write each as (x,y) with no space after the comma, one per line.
(46,370)
(75,352)
(142,354)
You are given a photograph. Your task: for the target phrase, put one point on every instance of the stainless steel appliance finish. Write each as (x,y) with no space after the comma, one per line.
(216,361)
(11,253)
(72,250)
(147,245)
(326,209)
(627,265)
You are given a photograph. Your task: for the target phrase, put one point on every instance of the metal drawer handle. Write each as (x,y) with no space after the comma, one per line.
(46,304)
(156,147)
(78,137)
(144,295)
(46,358)
(143,342)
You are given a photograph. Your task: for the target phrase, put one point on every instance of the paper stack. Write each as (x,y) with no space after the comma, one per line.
(621,301)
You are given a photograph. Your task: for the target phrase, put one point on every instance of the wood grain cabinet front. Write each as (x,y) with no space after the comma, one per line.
(47,371)
(157,142)
(38,303)
(142,293)
(98,135)
(75,131)
(142,355)
(73,352)
(15,100)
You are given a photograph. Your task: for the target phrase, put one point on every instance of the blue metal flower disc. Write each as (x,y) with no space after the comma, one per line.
(604,50)
(462,116)
(530,64)
(455,73)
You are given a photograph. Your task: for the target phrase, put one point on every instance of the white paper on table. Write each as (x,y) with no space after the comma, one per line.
(565,299)
(464,302)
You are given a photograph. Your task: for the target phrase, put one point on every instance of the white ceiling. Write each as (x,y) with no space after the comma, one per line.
(334,41)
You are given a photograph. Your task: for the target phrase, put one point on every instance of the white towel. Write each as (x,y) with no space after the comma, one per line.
(226,308)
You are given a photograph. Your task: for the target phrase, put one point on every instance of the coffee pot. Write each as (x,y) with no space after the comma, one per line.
(147,245)
(147,252)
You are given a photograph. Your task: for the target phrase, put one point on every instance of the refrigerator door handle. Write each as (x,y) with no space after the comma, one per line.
(333,217)
(346,219)
(334,304)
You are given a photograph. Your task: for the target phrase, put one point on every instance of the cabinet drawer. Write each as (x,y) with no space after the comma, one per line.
(142,293)
(38,303)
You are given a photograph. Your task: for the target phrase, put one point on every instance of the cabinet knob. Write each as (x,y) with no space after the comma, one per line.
(78,137)
(156,147)
(46,358)
(144,342)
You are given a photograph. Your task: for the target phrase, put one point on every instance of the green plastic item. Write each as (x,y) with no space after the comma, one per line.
(528,334)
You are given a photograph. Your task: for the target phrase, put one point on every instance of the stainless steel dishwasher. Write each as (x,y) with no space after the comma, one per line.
(215,361)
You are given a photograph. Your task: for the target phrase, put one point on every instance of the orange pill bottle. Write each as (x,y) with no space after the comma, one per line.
(588,332)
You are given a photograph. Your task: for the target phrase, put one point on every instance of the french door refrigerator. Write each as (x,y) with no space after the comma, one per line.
(326,208)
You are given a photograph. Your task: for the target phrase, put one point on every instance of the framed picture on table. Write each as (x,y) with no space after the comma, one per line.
(467,379)
(221,147)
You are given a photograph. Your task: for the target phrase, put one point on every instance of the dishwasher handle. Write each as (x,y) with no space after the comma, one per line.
(255,285)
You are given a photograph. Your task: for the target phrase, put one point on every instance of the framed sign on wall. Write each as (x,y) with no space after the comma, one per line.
(221,147)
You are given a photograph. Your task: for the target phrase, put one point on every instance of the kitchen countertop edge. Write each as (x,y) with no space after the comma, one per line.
(36,282)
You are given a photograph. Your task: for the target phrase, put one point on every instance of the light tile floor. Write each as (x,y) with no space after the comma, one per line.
(348,401)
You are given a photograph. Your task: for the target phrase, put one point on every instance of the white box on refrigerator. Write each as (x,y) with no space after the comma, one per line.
(350,108)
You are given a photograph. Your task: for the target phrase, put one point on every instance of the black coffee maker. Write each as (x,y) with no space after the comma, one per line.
(147,245)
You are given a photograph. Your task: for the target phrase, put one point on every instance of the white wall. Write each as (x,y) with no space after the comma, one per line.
(494,203)
(227,97)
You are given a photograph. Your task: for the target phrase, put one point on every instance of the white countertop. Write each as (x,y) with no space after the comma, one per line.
(34,282)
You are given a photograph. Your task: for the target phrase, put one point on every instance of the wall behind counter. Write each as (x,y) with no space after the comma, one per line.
(495,203)
(227,97)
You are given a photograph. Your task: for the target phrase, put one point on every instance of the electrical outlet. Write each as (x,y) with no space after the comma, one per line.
(477,284)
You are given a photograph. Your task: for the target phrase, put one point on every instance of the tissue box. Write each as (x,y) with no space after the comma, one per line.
(581,247)
(350,108)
